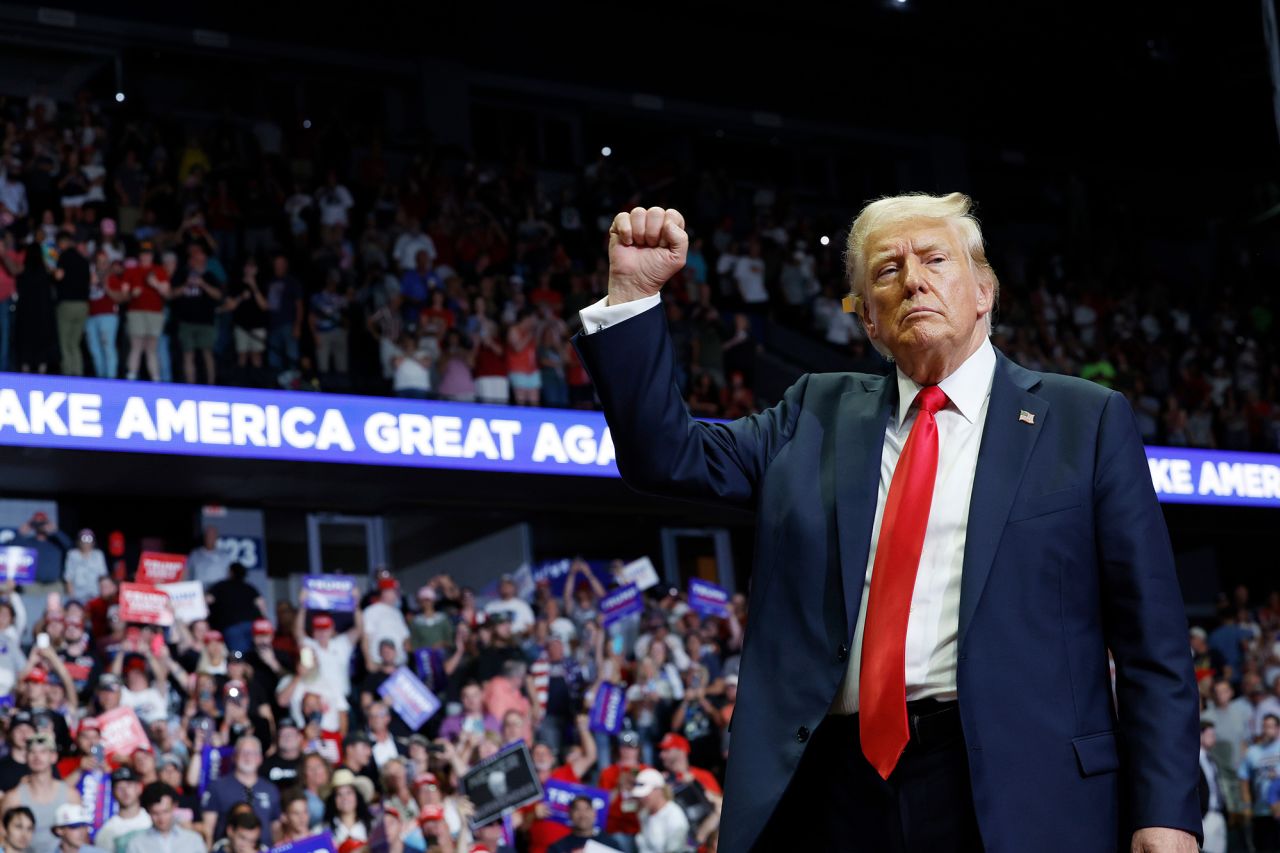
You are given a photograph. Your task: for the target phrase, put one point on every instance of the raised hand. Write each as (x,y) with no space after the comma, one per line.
(646,248)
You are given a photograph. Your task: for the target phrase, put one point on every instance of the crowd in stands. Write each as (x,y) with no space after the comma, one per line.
(313,747)
(251,254)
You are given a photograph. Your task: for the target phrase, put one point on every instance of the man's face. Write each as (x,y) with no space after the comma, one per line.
(75,836)
(379,718)
(127,793)
(40,758)
(675,760)
(248,758)
(543,758)
(472,698)
(360,753)
(1270,730)
(1208,737)
(289,741)
(244,840)
(162,815)
(1222,692)
(582,816)
(921,294)
(507,589)
(21,828)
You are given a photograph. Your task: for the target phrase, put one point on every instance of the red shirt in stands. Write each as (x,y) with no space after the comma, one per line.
(145,297)
(490,363)
(618,821)
(544,833)
(100,301)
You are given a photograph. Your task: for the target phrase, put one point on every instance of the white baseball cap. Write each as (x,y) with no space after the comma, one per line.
(70,814)
(647,781)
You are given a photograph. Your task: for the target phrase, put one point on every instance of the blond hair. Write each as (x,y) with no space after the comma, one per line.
(953,208)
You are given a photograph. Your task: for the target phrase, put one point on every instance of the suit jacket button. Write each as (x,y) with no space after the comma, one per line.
(843,654)
(802,734)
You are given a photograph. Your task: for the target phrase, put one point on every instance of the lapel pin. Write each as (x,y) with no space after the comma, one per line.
(1026,417)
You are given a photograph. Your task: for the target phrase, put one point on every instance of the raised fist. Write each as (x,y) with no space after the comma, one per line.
(646,248)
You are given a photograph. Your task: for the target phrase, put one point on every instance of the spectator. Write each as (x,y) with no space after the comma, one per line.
(208,563)
(244,832)
(346,809)
(582,824)
(295,818)
(1260,767)
(34,318)
(85,564)
(19,830)
(328,325)
(163,835)
(522,359)
(72,276)
(411,362)
(332,651)
(243,784)
(410,243)
(385,748)
(663,826)
(13,767)
(51,546)
(12,261)
(357,757)
(383,619)
(195,303)
(492,384)
(472,719)
(248,307)
(235,604)
(416,284)
(429,629)
(508,602)
(40,792)
(71,826)
(284,315)
(107,292)
(149,290)
(456,361)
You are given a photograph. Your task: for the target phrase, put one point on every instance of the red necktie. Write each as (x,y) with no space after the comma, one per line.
(882,689)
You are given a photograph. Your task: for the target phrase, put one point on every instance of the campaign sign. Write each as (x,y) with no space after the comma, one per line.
(95,795)
(122,733)
(145,604)
(329,592)
(310,844)
(215,762)
(608,709)
(559,795)
(708,599)
(189,603)
(623,601)
(502,782)
(409,697)
(156,567)
(641,573)
(19,564)
(556,573)
(430,666)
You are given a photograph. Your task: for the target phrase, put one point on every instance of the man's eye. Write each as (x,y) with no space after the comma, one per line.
(886,271)
(937,258)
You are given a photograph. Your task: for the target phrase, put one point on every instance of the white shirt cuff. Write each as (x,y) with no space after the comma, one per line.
(601,315)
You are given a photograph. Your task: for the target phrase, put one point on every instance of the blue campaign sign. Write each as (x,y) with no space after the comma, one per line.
(311,844)
(708,598)
(335,593)
(1185,475)
(19,564)
(559,795)
(609,708)
(103,414)
(556,571)
(623,601)
(215,762)
(409,697)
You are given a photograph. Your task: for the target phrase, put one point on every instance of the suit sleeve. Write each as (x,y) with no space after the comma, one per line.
(1146,630)
(660,447)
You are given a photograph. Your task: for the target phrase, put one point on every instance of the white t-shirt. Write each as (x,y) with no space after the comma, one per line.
(148,704)
(748,272)
(334,664)
(334,204)
(384,751)
(664,831)
(521,613)
(383,622)
(116,832)
(407,248)
(410,375)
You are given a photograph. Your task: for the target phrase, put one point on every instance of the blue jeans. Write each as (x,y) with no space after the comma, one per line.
(101,331)
(282,348)
(239,637)
(6,333)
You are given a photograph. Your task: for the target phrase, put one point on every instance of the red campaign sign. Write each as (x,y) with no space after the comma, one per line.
(122,732)
(144,604)
(157,567)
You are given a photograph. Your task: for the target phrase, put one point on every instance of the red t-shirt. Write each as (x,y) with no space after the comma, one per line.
(490,363)
(545,295)
(705,779)
(544,833)
(145,297)
(100,301)
(618,821)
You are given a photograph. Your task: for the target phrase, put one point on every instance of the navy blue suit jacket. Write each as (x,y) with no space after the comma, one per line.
(1067,555)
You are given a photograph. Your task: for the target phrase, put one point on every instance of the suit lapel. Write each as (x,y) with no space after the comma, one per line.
(860,425)
(1007,441)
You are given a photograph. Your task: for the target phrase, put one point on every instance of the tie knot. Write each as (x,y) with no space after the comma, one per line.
(931,398)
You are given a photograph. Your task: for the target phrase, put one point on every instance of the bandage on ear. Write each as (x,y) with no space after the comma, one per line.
(850,303)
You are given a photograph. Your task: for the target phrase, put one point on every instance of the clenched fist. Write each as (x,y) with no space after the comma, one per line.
(646,248)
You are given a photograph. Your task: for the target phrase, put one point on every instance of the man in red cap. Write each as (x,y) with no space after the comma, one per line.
(674,751)
(268,669)
(384,620)
(332,651)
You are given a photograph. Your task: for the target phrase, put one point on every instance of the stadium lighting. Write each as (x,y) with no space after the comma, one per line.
(824,240)
(119,97)
(606,151)
(306,124)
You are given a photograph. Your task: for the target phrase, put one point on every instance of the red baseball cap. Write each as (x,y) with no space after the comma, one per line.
(388,583)
(671,740)
(213,636)
(425,779)
(38,675)
(322,622)
(87,724)
(263,627)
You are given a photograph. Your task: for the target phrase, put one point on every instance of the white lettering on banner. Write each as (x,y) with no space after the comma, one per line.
(172,420)
(289,427)
(84,413)
(1171,476)
(1245,479)
(548,443)
(440,435)
(334,432)
(135,420)
(248,425)
(215,422)
(44,413)
(11,412)
(578,445)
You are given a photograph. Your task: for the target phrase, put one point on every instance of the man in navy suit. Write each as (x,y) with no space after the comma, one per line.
(944,558)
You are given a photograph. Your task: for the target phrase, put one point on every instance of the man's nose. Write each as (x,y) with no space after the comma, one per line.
(914,279)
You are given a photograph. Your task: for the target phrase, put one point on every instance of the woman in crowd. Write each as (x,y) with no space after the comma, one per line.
(346,810)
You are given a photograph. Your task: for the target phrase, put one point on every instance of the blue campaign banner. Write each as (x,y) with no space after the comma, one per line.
(609,708)
(102,414)
(335,593)
(708,598)
(430,666)
(556,571)
(559,795)
(409,698)
(1231,478)
(215,762)
(311,844)
(19,564)
(95,795)
(623,601)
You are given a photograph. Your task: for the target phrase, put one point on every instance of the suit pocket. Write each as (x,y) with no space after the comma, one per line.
(1038,505)
(1097,753)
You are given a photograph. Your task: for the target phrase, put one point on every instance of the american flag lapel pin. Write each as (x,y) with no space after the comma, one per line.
(1026,417)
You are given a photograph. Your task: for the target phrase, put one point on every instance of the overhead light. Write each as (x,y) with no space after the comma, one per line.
(306,124)
(606,151)
(824,240)
(119,97)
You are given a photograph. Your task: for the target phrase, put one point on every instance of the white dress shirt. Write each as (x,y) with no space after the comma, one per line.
(934,620)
